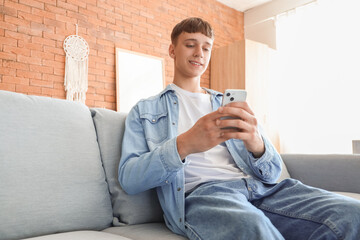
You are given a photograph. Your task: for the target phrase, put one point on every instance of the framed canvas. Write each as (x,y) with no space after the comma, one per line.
(138,76)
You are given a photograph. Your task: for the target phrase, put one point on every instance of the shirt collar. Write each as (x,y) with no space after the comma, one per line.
(210,91)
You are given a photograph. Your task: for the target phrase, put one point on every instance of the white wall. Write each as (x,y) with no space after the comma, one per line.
(259,22)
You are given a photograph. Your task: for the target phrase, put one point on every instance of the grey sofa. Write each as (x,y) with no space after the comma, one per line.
(58,174)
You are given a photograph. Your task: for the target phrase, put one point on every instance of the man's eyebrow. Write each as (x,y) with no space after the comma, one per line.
(194,39)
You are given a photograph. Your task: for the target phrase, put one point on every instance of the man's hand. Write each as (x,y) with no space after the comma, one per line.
(209,131)
(205,134)
(246,124)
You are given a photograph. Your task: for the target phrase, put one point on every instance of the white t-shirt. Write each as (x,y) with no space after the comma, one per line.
(211,165)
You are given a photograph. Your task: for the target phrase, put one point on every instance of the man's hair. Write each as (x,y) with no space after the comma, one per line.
(192,25)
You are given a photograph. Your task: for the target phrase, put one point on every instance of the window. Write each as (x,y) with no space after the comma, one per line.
(314,85)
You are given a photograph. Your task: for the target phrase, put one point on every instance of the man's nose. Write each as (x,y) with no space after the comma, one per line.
(199,52)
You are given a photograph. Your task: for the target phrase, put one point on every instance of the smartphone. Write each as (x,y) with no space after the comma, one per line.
(233,95)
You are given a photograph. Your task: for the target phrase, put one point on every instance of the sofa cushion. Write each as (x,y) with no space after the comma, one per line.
(284,172)
(349,194)
(147,231)
(127,209)
(51,175)
(81,235)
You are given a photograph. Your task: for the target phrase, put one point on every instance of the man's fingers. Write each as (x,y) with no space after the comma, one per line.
(242,105)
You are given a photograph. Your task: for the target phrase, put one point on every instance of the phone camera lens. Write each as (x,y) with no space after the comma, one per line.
(228,94)
(231,99)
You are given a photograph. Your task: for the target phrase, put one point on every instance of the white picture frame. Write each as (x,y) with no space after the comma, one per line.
(138,76)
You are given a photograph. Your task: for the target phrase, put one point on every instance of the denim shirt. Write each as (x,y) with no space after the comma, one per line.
(150,158)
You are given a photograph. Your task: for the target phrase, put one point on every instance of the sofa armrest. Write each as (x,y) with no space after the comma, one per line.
(332,172)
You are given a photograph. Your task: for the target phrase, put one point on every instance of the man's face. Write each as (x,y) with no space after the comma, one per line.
(191,54)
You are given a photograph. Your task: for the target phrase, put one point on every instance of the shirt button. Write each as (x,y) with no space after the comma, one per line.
(175,102)
(166,181)
(153,120)
(179,189)
(173,123)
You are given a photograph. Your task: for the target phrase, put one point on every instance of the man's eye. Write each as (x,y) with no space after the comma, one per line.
(189,45)
(206,49)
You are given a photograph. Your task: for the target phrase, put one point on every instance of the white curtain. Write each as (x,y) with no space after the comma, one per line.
(258,57)
(314,78)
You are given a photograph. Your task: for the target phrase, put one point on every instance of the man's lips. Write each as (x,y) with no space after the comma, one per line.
(196,63)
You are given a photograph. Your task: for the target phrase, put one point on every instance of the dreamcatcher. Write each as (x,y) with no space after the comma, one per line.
(76,67)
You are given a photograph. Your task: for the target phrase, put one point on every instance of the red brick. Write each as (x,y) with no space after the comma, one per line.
(53,36)
(67,6)
(8,26)
(41,69)
(32,3)
(15,80)
(27,74)
(51,63)
(59,72)
(103,5)
(96,84)
(30,31)
(17,7)
(42,55)
(81,4)
(43,41)
(105,79)
(18,36)
(31,90)
(105,92)
(53,78)
(41,83)
(15,65)
(16,50)
(30,16)
(96,97)
(59,51)
(8,11)
(60,58)
(8,56)
(53,2)
(96,71)
(59,85)
(31,46)
(89,102)
(111,86)
(96,9)
(7,86)
(51,11)
(110,99)
(28,60)
(7,71)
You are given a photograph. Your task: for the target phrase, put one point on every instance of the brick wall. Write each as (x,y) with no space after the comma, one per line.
(32,32)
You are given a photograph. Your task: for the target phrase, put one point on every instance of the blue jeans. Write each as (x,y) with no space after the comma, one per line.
(248,209)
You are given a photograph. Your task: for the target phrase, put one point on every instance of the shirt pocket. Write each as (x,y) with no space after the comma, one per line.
(155,127)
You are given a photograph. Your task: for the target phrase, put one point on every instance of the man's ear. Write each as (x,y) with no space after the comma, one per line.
(172,51)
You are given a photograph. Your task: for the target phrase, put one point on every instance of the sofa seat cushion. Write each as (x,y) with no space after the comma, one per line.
(349,194)
(147,231)
(51,175)
(81,235)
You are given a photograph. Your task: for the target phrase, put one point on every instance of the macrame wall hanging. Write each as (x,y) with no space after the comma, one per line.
(76,67)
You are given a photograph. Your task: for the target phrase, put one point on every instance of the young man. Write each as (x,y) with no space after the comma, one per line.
(213,182)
